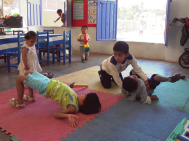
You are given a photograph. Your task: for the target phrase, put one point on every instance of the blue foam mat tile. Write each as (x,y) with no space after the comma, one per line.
(131,121)
(108,132)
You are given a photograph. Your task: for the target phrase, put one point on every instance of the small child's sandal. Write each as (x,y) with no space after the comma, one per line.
(26,97)
(16,104)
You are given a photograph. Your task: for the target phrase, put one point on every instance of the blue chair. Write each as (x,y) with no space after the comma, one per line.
(17,53)
(15,32)
(66,46)
(43,45)
(50,31)
(3,56)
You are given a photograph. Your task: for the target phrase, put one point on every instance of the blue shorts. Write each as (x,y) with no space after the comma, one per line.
(38,82)
(152,82)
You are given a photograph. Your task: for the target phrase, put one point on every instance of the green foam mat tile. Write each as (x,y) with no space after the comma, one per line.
(173,95)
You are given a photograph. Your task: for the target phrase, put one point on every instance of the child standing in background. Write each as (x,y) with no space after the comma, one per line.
(61,16)
(84,38)
(29,58)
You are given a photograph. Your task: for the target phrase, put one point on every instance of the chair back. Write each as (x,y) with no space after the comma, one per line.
(21,40)
(17,31)
(50,31)
(67,39)
(42,39)
(43,43)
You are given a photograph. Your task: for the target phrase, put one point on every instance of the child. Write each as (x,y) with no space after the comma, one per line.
(134,89)
(112,67)
(57,91)
(84,38)
(29,58)
(61,16)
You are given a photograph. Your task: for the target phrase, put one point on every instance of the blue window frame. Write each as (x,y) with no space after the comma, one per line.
(167,22)
(34,12)
(107,20)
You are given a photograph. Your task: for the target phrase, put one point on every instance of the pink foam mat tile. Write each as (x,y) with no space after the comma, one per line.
(37,122)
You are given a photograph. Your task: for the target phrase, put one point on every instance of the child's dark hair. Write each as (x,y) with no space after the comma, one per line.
(84,26)
(91,104)
(129,84)
(121,46)
(30,34)
(59,11)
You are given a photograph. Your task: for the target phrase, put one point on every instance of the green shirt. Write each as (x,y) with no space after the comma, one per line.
(62,93)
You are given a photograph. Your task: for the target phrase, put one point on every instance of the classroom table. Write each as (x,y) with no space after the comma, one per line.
(9,43)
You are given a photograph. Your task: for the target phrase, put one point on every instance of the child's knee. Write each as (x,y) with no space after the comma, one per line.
(21,78)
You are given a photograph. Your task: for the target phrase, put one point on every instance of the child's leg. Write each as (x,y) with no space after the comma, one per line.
(105,79)
(82,54)
(86,55)
(172,79)
(20,88)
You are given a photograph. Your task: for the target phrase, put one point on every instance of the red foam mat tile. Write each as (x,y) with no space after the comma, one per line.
(37,122)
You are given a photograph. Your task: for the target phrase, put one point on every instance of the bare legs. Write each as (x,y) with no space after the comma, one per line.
(20,87)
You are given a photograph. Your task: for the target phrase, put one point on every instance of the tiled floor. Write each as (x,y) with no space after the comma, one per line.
(8,79)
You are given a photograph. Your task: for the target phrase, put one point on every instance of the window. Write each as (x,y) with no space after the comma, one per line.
(137,20)
(9,7)
(44,12)
(50,12)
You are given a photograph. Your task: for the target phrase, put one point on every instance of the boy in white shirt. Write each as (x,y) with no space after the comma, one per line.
(112,67)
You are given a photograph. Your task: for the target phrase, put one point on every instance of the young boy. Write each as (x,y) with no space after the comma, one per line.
(61,16)
(134,89)
(84,38)
(112,67)
(56,91)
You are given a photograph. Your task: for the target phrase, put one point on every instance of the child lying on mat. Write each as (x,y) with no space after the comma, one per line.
(133,87)
(56,91)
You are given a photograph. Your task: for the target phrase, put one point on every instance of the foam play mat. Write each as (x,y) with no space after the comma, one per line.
(36,121)
(173,95)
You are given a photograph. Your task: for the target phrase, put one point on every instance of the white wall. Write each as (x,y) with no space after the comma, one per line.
(171,53)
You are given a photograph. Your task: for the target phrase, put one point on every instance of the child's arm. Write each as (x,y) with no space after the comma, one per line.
(79,38)
(57,19)
(68,113)
(24,58)
(138,69)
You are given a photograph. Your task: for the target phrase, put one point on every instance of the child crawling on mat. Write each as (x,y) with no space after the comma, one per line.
(133,87)
(56,91)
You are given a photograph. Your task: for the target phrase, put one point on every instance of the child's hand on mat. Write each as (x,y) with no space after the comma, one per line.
(154,97)
(72,120)
(147,85)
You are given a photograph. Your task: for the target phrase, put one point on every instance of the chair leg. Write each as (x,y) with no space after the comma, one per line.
(70,53)
(8,63)
(64,56)
(48,57)
(53,56)
(5,58)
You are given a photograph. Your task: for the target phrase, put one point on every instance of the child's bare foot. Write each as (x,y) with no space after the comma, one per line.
(154,97)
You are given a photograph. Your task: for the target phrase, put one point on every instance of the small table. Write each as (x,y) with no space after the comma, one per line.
(9,43)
